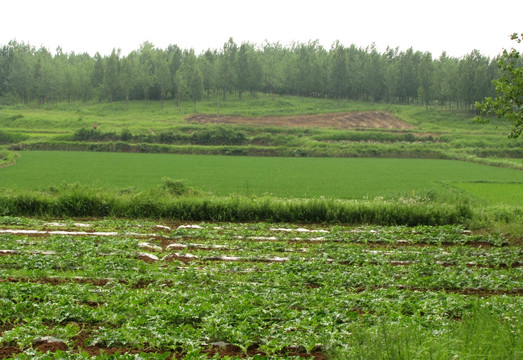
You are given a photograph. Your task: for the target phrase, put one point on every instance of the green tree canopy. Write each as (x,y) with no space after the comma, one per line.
(509,88)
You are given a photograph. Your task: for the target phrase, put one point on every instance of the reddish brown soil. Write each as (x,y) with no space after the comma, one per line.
(348,120)
(79,345)
(8,351)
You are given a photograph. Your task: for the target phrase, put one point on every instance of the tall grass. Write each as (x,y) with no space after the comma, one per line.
(481,335)
(80,201)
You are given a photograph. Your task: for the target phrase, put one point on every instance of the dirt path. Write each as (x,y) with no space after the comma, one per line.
(347,120)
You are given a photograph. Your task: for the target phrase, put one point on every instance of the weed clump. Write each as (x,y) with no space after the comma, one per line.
(176,187)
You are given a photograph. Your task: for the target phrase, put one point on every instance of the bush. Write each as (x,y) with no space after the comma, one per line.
(176,187)
(9,138)
(84,134)
(126,135)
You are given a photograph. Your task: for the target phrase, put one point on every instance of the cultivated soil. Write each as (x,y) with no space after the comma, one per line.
(347,120)
(162,240)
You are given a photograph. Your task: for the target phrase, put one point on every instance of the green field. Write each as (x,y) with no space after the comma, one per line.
(507,193)
(280,177)
(171,290)
(343,244)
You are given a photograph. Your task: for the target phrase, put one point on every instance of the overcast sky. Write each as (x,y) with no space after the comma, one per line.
(454,26)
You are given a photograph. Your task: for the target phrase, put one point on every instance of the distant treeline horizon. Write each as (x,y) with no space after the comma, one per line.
(30,74)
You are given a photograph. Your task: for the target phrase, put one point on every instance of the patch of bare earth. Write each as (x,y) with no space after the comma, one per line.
(347,120)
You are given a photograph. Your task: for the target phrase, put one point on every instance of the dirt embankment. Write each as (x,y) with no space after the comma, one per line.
(347,120)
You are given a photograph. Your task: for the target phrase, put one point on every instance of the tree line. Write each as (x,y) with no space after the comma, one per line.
(28,74)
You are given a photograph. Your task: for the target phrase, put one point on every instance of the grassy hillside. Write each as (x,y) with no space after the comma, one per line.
(434,132)
(61,118)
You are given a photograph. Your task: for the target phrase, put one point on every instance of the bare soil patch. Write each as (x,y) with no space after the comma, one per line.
(347,120)
(224,350)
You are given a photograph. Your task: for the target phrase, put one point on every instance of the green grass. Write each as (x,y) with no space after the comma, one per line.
(64,117)
(346,178)
(508,193)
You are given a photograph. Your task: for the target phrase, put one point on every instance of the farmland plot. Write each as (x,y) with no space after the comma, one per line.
(257,290)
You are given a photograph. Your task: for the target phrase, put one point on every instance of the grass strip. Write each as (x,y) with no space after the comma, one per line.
(79,201)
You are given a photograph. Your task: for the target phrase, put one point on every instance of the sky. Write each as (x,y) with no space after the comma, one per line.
(455,26)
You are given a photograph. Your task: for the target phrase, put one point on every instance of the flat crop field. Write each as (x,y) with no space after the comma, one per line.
(79,289)
(344,178)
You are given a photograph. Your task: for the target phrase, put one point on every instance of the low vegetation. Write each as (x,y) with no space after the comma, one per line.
(330,243)
(174,200)
(156,290)
(432,133)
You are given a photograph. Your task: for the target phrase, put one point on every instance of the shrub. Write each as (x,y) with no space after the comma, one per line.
(176,187)
(10,138)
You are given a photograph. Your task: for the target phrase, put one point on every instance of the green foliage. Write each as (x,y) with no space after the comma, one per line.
(219,135)
(307,69)
(92,134)
(7,157)
(11,138)
(176,187)
(508,103)
(262,290)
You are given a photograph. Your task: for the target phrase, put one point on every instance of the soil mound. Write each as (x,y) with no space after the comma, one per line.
(348,120)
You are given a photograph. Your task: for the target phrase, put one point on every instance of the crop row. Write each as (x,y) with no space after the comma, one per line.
(260,251)
(251,290)
(245,314)
(391,235)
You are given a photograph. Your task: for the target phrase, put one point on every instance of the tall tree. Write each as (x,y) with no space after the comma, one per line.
(84,67)
(446,76)
(308,70)
(97,77)
(144,68)
(425,74)
(375,75)
(44,79)
(182,88)
(472,80)
(62,75)
(408,79)
(338,74)
(20,78)
(193,78)
(162,74)
(127,77)
(226,68)
(355,63)
(207,64)
(273,60)
(508,103)
(174,58)
(6,59)
(111,83)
